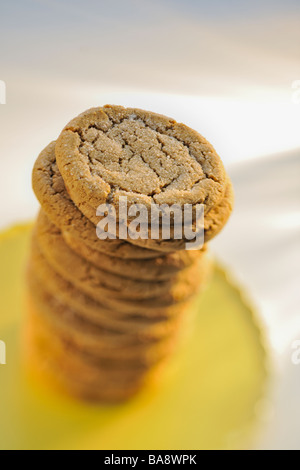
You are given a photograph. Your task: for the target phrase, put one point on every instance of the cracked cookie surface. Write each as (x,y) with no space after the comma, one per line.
(113,151)
(50,190)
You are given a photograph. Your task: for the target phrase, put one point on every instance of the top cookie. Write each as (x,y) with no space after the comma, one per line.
(113,151)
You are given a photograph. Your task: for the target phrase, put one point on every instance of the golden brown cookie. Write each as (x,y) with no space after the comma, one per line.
(43,302)
(149,322)
(67,319)
(156,307)
(89,340)
(103,285)
(124,362)
(160,269)
(50,190)
(216,218)
(71,373)
(112,151)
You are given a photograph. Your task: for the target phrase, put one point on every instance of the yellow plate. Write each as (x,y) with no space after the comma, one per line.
(207,398)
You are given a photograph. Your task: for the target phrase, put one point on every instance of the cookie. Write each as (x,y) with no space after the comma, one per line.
(50,190)
(148,322)
(67,319)
(161,268)
(103,285)
(217,217)
(153,308)
(112,151)
(90,340)
(121,364)
(72,373)
(43,302)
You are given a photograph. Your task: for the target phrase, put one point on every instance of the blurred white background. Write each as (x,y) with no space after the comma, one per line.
(225,68)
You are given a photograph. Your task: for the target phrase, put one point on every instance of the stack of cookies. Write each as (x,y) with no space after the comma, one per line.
(106,311)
